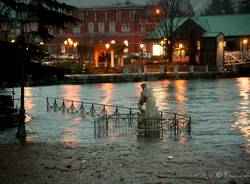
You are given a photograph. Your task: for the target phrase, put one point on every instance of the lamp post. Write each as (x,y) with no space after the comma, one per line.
(180,47)
(142,48)
(245,44)
(68,43)
(29,25)
(112,54)
(107,45)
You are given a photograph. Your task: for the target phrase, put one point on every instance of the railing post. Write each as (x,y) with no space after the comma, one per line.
(104,112)
(92,110)
(63,106)
(47,101)
(176,68)
(107,126)
(191,68)
(161,124)
(206,68)
(189,125)
(130,116)
(55,106)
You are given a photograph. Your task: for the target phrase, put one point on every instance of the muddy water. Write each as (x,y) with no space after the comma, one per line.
(219,144)
(220,109)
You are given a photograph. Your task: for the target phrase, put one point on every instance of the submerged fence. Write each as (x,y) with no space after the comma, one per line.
(111,120)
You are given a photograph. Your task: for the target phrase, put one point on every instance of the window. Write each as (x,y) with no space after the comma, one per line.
(50,30)
(91,27)
(76,29)
(112,27)
(61,32)
(125,28)
(101,27)
(143,29)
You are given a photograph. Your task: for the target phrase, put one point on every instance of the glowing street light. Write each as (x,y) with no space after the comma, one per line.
(142,48)
(157,11)
(180,47)
(245,45)
(245,41)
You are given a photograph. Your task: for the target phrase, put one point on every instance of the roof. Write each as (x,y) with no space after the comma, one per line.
(229,25)
(211,35)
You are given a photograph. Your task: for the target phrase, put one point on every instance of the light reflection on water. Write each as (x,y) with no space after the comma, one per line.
(243,115)
(220,109)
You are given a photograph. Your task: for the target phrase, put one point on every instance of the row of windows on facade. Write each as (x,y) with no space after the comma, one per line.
(76,29)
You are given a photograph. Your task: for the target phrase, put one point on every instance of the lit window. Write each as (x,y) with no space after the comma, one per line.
(157,50)
(61,32)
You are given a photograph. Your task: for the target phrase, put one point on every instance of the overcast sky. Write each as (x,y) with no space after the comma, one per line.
(198,5)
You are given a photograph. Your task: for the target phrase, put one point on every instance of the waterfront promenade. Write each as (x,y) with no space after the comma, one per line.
(151,76)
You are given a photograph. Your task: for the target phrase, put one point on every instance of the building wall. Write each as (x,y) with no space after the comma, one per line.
(101,25)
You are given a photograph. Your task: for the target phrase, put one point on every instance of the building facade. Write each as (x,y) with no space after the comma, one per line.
(123,24)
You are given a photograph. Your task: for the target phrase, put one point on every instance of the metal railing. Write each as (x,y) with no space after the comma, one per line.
(110,119)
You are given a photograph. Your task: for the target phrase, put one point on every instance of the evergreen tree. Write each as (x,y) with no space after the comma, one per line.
(244,6)
(219,7)
(227,7)
(214,8)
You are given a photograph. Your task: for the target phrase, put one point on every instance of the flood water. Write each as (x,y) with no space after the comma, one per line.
(220,109)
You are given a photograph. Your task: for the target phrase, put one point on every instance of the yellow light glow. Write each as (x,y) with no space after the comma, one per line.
(107,45)
(125,42)
(157,50)
(112,42)
(180,46)
(125,50)
(245,41)
(70,42)
(75,44)
(65,42)
(13,41)
(141,45)
(157,11)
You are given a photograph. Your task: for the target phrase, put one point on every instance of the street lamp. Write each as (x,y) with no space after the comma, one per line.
(142,48)
(180,47)
(107,45)
(245,43)
(29,25)
(68,43)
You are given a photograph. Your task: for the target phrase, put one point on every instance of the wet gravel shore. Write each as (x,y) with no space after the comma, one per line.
(120,162)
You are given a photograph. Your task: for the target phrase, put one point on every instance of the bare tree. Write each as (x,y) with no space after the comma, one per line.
(171,16)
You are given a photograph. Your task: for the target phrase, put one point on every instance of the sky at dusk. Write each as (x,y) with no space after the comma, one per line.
(198,5)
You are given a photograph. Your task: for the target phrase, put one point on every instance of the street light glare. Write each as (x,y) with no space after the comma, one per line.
(107,45)
(142,45)
(245,41)
(157,11)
